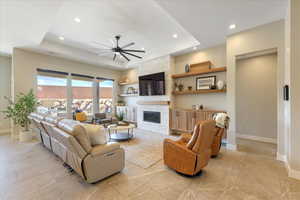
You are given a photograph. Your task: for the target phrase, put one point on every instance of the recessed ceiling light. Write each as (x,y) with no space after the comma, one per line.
(195,48)
(143,49)
(61,38)
(175,35)
(76,19)
(232,26)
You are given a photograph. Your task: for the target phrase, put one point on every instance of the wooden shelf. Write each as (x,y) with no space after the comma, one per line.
(128,95)
(128,83)
(207,71)
(153,102)
(197,92)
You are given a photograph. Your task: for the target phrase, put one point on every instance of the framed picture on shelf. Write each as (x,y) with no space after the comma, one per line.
(205,83)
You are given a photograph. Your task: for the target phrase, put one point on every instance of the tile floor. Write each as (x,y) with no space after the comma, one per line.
(29,171)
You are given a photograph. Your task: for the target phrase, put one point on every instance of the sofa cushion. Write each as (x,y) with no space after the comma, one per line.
(52,120)
(37,116)
(96,134)
(77,130)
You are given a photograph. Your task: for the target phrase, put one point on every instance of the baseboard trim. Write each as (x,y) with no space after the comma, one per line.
(258,138)
(4,132)
(232,147)
(292,173)
(281,157)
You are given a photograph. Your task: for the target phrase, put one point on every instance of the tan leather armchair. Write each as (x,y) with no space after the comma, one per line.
(189,156)
(217,142)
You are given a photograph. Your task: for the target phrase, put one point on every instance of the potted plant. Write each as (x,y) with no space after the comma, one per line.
(19,110)
(180,87)
(120,118)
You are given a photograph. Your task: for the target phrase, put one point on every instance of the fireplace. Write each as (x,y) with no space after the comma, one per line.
(151,116)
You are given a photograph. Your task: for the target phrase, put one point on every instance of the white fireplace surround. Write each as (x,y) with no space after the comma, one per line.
(163,127)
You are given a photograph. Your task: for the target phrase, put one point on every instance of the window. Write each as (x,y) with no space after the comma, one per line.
(106,96)
(65,93)
(82,92)
(52,93)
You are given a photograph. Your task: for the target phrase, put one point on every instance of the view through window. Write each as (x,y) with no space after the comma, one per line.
(82,92)
(106,96)
(52,93)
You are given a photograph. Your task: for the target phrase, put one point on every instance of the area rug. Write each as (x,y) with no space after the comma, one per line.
(145,149)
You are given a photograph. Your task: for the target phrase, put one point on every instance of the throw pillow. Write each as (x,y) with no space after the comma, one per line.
(96,134)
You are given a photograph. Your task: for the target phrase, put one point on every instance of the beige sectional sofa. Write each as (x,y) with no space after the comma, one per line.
(70,140)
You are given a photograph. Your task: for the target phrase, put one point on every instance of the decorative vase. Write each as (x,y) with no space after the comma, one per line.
(220,85)
(180,87)
(25,136)
(190,88)
(187,68)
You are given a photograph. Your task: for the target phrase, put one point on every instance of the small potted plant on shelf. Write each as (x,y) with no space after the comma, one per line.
(180,87)
(19,110)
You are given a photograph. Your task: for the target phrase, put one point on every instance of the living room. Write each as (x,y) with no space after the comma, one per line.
(201,108)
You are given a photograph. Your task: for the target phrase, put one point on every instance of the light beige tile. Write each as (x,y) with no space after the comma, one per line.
(29,171)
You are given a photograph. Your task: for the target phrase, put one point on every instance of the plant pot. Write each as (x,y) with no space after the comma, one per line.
(25,136)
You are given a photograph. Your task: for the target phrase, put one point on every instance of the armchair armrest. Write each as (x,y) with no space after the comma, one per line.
(104,148)
(185,137)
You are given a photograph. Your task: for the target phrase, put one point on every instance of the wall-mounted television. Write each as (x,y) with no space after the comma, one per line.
(152,84)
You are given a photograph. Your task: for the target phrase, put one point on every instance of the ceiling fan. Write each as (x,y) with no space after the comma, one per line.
(119,50)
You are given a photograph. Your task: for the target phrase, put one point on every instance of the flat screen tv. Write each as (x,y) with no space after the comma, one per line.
(152,85)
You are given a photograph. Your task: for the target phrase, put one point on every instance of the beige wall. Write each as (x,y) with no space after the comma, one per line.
(256,92)
(25,64)
(294,44)
(269,36)
(217,55)
(5,73)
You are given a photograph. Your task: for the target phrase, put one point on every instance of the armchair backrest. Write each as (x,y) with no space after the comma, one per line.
(204,137)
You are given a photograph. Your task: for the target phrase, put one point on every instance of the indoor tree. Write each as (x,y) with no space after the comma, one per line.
(19,109)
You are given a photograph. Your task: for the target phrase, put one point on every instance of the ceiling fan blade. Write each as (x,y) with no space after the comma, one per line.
(115,57)
(103,45)
(125,56)
(127,45)
(138,51)
(132,55)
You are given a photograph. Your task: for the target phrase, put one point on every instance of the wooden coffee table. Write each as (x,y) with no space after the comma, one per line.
(115,132)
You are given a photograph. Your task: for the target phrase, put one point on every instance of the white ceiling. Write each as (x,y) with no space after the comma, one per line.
(25,23)
(208,20)
(37,24)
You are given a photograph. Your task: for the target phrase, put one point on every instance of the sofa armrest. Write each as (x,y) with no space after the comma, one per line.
(104,148)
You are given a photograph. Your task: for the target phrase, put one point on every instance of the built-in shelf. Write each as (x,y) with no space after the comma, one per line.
(197,92)
(153,102)
(128,83)
(202,72)
(128,95)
